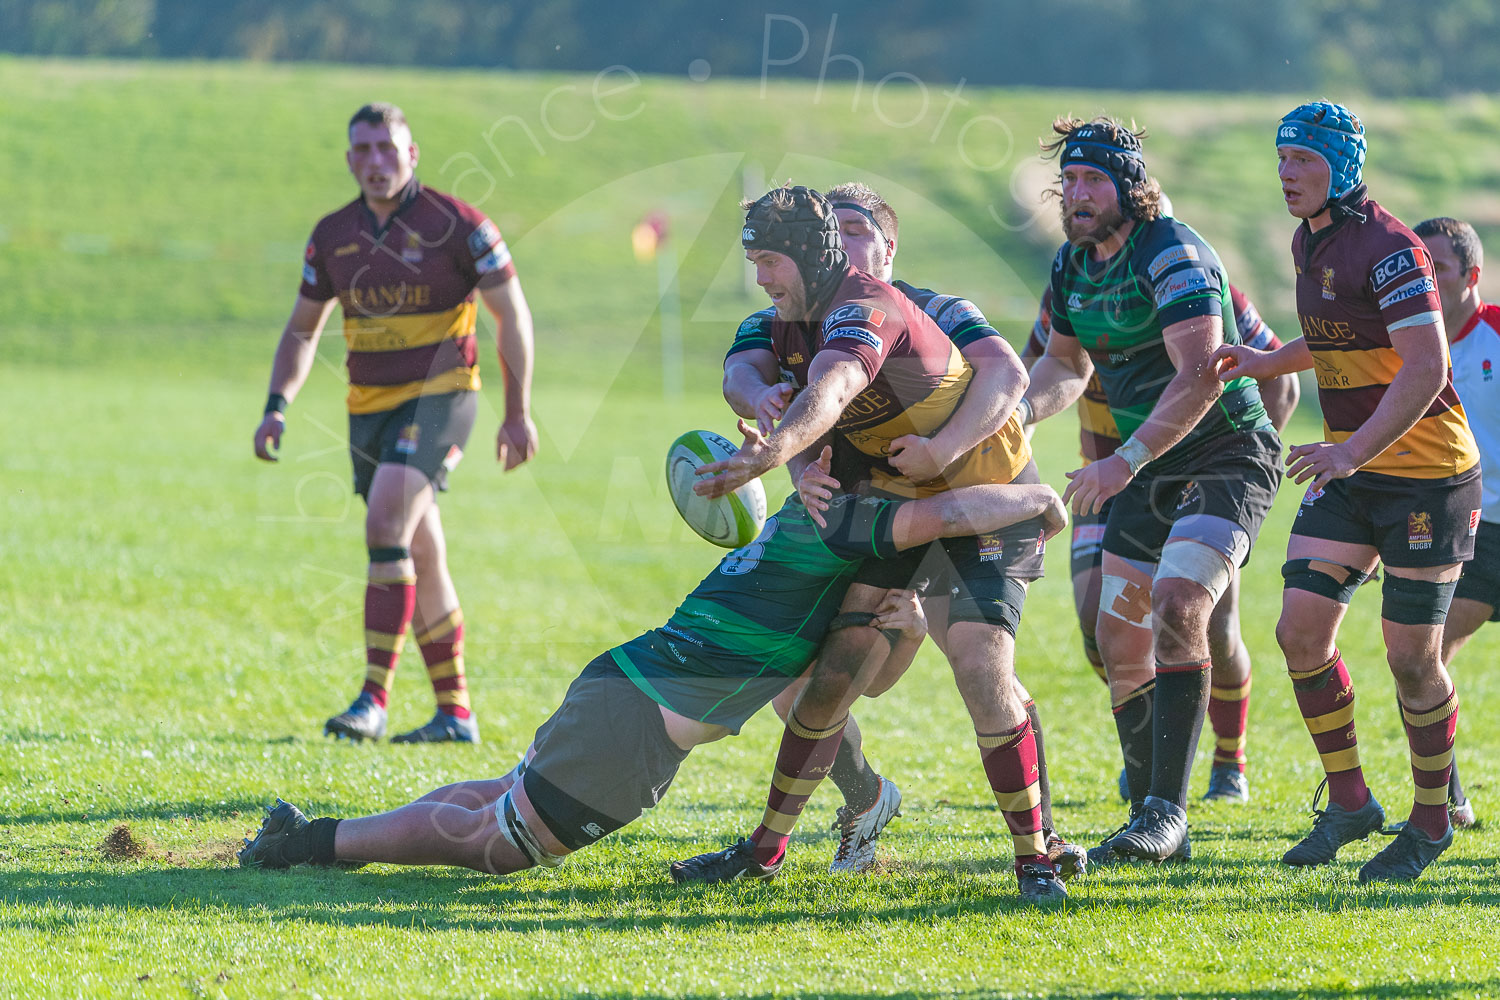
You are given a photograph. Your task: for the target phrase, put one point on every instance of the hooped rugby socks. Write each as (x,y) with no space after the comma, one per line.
(852,773)
(1133,723)
(1181,704)
(442,648)
(1043,785)
(390,603)
(1325,696)
(1011,764)
(802,762)
(1430,736)
(1229,713)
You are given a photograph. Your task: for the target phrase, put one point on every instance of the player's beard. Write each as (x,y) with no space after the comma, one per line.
(1095,230)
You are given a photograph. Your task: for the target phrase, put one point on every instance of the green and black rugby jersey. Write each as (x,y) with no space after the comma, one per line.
(1117,308)
(755,623)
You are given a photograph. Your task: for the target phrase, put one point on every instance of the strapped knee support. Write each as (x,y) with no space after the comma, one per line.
(513,829)
(1188,559)
(1415,602)
(1298,574)
(392,553)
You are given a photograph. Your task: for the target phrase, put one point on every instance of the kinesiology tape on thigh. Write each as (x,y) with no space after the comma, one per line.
(1298,574)
(513,828)
(1114,602)
(391,553)
(1415,602)
(1184,559)
(1002,610)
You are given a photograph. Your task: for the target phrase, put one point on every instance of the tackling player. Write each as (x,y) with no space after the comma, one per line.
(1395,480)
(405,262)
(1230,679)
(876,368)
(627,722)
(1141,299)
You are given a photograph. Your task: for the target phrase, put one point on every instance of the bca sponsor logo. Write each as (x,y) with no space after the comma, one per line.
(1473,523)
(1397,264)
(1411,289)
(309,275)
(854,311)
(855,333)
(1172,255)
(1311,497)
(483,238)
(1183,283)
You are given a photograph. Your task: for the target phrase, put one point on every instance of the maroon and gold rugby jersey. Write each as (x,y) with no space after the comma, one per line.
(1357,283)
(408,293)
(917,381)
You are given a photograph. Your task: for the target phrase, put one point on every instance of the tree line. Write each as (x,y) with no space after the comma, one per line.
(1379,47)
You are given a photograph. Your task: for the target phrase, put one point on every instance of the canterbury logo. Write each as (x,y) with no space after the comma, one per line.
(1287,132)
(747,235)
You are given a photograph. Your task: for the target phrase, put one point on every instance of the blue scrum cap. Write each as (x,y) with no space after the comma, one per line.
(1334,133)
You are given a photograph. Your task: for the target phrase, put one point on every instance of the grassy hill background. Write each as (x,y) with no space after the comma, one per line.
(180,619)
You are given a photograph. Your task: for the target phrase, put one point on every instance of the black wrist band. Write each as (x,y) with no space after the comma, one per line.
(276,403)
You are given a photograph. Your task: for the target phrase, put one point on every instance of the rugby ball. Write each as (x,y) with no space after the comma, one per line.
(733,520)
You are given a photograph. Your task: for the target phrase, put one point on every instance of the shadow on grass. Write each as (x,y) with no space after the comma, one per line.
(629,897)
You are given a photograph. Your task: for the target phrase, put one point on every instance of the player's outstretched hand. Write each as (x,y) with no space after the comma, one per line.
(516,442)
(1232,361)
(1095,483)
(771,406)
(1055,517)
(268,437)
(913,457)
(1321,461)
(722,478)
(816,486)
(900,610)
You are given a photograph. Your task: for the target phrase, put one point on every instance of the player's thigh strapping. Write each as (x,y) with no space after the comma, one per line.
(602,759)
(427,433)
(1197,525)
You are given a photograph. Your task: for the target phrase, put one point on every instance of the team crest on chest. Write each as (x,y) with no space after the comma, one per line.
(1489,373)
(412,252)
(1328,283)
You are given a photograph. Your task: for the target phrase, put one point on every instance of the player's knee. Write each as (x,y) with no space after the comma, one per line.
(1415,602)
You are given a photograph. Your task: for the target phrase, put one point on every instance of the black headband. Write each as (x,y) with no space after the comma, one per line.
(855,206)
(1122,162)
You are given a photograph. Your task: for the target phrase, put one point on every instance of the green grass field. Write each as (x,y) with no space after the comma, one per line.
(180,619)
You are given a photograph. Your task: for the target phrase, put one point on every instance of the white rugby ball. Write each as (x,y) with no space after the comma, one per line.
(733,520)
